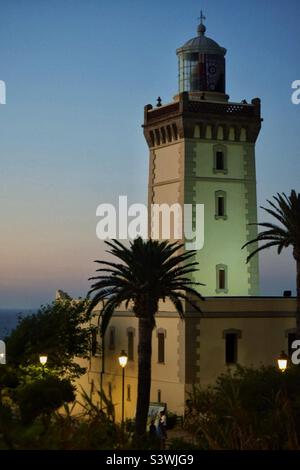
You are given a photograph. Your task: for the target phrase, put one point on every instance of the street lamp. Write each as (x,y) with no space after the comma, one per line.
(43,361)
(123,358)
(282,361)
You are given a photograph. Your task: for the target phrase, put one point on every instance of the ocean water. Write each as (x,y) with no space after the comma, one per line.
(9,319)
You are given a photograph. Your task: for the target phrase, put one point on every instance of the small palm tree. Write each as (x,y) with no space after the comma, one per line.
(286,210)
(148,271)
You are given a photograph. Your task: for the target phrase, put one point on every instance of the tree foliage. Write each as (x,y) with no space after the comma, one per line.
(147,272)
(62,330)
(43,396)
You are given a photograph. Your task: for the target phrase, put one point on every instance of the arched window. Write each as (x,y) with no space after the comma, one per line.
(197,132)
(161,335)
(220,159)
(221,279)
(243,135)
(152,138)
(175,132)
(157,136)
(231,135)
(130,343)
(220,205)
(208,132)
(231,337)
(169,134)
(220,133)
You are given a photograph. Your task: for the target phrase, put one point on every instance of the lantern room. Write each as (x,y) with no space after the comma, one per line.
(202,66)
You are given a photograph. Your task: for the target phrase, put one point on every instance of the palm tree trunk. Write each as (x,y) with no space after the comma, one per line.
(144,375)
(298,299)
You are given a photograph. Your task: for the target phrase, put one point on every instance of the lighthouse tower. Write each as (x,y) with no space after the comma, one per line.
(202,151)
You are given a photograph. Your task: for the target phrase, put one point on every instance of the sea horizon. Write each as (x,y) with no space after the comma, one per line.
(9,318)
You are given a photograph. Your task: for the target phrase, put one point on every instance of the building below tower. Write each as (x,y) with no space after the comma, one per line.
(195,351)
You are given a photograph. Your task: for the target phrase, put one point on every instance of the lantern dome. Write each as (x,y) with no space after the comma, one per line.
(201,64)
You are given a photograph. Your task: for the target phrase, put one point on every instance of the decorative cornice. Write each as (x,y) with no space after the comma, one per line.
(182,116)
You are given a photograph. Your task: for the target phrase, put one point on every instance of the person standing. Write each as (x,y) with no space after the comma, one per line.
(152,430)
(162,430)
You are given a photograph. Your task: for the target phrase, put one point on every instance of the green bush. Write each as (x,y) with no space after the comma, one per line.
(172,420)
(181,444)
(8,378)
(247,409)
(43,397)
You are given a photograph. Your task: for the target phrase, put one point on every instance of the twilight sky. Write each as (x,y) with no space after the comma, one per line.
(78,74)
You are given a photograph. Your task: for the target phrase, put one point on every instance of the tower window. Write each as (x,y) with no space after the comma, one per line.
(231,342)
(221,206)
(175,132)
(222,281)
(159,396)
(220,133)
(169,134)
(243,135)
(130,344)
(220,161)
(220,202)
(157,136)
(152,139)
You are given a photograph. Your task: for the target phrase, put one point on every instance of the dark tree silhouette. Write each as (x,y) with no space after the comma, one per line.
(286,211)
(145,273)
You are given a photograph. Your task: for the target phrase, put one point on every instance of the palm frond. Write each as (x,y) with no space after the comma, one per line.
(286,210)
(148,271)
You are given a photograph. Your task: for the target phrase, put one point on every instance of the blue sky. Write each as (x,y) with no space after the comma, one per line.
(78,74)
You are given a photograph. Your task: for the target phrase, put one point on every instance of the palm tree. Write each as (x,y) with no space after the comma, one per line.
(148,271)
(286,210)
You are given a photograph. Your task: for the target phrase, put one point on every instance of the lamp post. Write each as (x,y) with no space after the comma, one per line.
(282,361)
(123,358)
(43,361)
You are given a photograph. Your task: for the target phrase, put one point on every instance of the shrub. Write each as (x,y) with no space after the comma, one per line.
(172,420)
(181,444)
(43,397)
(247,409)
